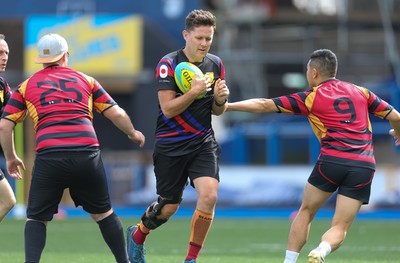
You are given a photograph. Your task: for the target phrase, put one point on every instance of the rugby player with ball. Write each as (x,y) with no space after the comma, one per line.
(186,150)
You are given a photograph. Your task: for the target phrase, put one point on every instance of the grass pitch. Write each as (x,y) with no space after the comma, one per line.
(229,241)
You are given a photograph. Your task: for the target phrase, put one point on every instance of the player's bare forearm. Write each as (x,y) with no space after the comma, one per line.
(171,105)
(259,105)
(221,94)
(13,162)
(137,137)
(122,121)
(219,109)
(394,119)
(7,138)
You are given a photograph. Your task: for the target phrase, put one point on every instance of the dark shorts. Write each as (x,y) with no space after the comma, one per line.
(353,182)
(82,172)
(1,175)
(172,172)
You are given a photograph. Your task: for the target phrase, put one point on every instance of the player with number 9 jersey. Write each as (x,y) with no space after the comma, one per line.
(338,112)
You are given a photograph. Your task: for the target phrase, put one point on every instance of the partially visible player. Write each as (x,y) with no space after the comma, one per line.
(60,102)
(7,197)
(338,112)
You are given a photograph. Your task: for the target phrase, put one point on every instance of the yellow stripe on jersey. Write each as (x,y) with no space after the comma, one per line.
(317,126)
(364,90)
(284,110)
(22,88)
(33,113)
(90,101)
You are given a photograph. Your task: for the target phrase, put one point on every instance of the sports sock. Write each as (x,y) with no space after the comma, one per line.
(193,251)
(201,223)
(140,234)
(35,240)
(113,234)
(325,248)
(291,256)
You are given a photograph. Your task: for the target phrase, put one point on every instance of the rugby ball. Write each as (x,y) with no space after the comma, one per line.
(184,73)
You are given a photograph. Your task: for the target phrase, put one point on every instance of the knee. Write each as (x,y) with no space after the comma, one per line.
(158,214)
(208,198)
(13,202)
(9,203)
(307,213)
(168,210)
(99,217)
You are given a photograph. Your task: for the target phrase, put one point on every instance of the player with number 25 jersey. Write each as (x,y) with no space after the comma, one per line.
(60,102)
(48,96)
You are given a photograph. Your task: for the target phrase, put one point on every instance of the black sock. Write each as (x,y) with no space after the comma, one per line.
(35,240)
(113,233)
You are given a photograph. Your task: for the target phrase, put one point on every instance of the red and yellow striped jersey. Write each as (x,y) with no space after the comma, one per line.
(60,101)
(338,112)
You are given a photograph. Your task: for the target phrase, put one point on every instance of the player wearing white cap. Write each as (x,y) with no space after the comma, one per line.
(60,102)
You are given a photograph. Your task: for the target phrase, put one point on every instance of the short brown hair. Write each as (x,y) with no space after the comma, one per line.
(200,18)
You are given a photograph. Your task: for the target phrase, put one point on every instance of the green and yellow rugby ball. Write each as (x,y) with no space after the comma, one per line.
(184,73)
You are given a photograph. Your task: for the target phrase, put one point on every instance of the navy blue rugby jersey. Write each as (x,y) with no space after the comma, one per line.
(186,132)
(5,93)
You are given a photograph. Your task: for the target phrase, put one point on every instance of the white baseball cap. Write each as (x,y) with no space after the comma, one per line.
(51,48)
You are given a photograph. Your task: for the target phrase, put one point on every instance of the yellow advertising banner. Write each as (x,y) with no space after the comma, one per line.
(107,46)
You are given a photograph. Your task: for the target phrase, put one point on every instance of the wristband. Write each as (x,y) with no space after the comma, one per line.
(222,104)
